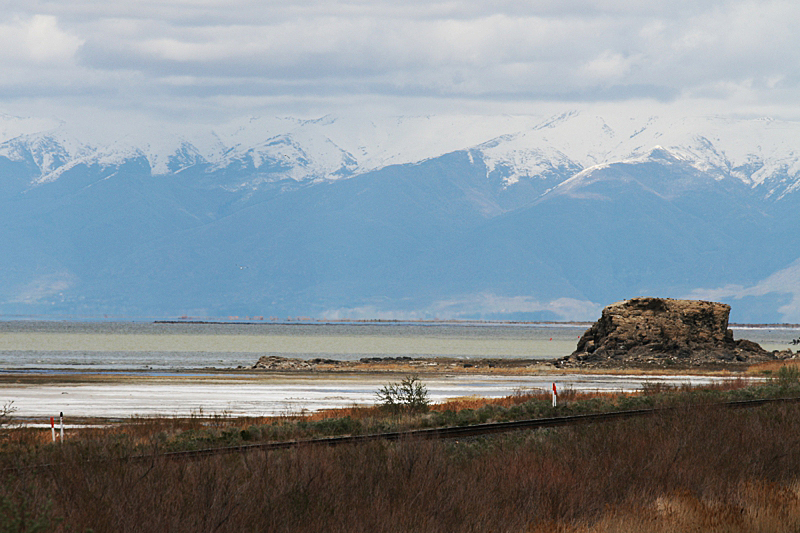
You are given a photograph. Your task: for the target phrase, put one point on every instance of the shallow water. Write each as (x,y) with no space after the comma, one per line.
(125,346)
(162,349)
(774,338)
(143,346)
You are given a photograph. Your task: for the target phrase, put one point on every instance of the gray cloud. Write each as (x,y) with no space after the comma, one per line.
(737,53)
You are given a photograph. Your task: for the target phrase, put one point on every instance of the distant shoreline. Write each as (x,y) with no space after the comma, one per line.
(367,322)
(305,321)
(370,322)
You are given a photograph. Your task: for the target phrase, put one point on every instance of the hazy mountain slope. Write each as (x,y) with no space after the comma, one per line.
(523,217)
(611,232)
(372,238)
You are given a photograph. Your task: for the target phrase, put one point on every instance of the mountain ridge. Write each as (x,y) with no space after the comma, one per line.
(402,217)
(569,140)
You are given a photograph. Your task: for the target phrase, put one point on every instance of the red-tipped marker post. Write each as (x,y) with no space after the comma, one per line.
(555,395)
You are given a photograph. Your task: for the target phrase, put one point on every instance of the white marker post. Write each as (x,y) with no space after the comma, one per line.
(53,427)
(61,415)
(555,395)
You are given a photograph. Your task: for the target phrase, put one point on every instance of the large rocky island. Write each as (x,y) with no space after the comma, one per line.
(648,332)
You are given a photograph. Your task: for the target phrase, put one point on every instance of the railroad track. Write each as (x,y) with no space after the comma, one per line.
(458,431)
(437,433)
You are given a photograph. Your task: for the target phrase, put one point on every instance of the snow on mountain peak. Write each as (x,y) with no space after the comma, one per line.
(759,152)
(754,151)
(11,126)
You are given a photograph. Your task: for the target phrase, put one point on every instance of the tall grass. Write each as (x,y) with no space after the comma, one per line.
(689,470)
(204,431)
(692,469)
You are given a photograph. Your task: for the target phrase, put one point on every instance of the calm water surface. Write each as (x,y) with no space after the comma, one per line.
(132,346)
(142,346)
(138,347)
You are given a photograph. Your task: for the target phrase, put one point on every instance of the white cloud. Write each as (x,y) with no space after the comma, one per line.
(477,306)
(45,288)
(370,312)
(742,54)
(46,42)
(38,39)
(608,67)
(492,304)
(784,282)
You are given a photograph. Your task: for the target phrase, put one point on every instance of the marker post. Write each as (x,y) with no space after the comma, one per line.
(61,415)
(555,396)
(53,428)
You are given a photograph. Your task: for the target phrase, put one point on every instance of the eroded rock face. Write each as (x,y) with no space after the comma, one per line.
(663,331)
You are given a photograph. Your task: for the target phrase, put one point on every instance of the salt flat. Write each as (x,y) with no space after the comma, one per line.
(265,395)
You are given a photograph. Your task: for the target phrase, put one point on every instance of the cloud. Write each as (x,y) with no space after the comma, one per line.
(478,306)
(608,65)
(38,59)
(736,52)
(46,288)
(785,282)
(484,304)
(37,39)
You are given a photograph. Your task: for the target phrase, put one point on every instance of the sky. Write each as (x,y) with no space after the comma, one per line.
(195,61)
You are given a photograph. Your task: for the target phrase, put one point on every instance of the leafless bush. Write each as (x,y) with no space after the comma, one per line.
(410,395)
(7,413)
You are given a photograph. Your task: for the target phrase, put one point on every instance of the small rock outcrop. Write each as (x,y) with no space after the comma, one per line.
(664,332)
(276,362)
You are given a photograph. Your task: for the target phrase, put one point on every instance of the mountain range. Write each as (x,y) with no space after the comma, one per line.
(471,217)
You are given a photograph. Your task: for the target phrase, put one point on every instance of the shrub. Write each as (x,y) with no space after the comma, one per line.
(6,413)
(788,375)
(18,516)
(338,426)
(410,396)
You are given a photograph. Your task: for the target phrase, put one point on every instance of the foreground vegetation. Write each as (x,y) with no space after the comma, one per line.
(692,469)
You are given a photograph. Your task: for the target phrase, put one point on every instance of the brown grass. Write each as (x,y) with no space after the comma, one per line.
(141,430)
(756,507)
(693,470)
(521,397)
(772,367)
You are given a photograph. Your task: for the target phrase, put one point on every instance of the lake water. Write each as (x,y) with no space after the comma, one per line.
(149,346)
(138,346)
(154,352)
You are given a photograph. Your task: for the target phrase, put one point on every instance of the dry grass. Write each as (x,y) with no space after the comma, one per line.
(142,430)
(523,396)
(694,470)
(772,367)
(354,412)
(754,507)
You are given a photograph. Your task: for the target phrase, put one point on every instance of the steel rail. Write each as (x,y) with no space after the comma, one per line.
(450,432)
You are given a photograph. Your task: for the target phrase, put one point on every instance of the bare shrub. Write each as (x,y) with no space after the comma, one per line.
(408,396)
(6,413)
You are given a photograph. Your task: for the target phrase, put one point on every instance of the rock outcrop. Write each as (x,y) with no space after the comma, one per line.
(664,332)
(276,362)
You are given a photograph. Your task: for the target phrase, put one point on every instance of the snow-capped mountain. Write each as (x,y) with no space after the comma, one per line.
(481,216)
(762,153)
